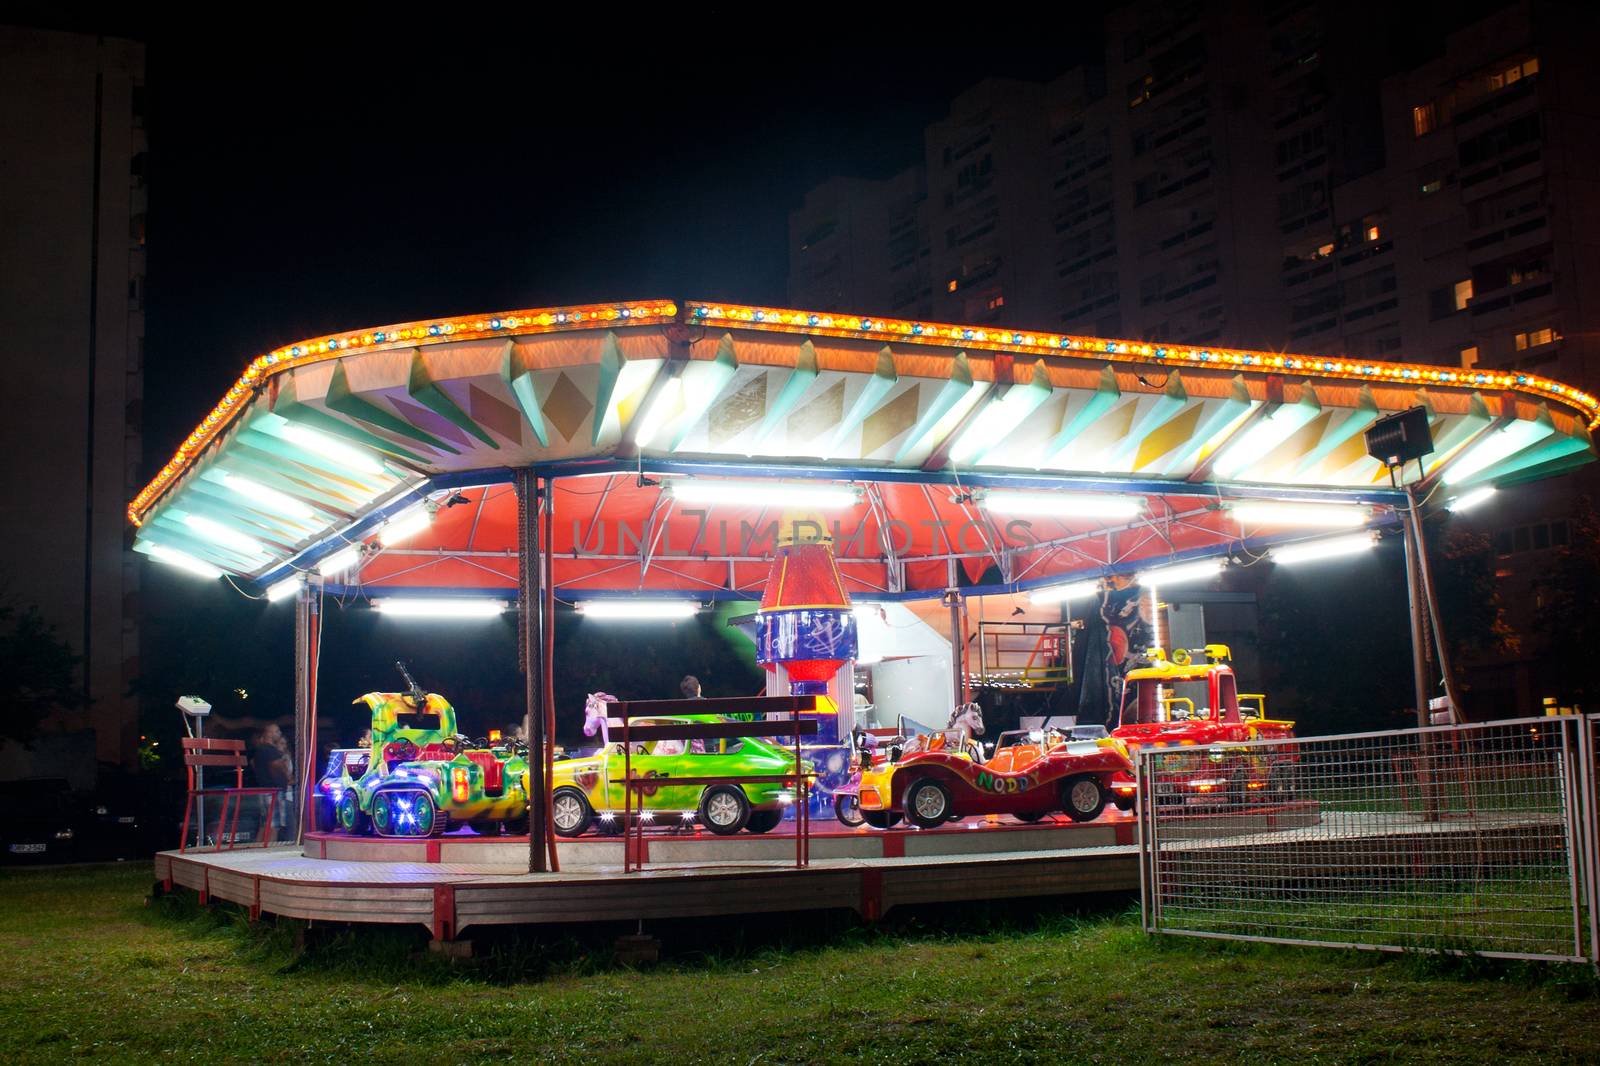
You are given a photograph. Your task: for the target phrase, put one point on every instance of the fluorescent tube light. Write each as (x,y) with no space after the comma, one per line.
(1062,504)
(340,561)
(287,587)
(419,607)
(638,609)
(1171,575)
(183,561)
(1471,499)
(1077,590)
(325,446)
(1299,514)
(286,506)
(1322,549)
(404,526)
(218,533)
(764,493)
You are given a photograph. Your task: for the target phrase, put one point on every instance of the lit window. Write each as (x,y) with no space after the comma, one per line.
(1469,357)
(1463,294)
(1324,251)
(1424,119)
(1433,186)
(1372,233)
(952,285)
(996,302)
(1535,338)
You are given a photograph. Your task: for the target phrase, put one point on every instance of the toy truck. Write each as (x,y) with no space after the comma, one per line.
(420,776)
(1191,700)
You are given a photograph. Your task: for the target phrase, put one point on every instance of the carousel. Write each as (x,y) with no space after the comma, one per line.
(911,512)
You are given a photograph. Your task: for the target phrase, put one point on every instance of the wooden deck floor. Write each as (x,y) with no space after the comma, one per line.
(451,898)
(346,880)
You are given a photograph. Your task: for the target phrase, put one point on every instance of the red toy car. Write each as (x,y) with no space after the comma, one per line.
(947,779)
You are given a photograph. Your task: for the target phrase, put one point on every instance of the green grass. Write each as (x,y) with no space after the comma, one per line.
(91,972)
(1527,910)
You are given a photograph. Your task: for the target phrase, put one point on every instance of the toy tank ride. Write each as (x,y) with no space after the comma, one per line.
(420,776)
(1190,699)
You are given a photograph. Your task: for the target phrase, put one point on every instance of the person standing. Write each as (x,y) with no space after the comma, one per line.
(273,768)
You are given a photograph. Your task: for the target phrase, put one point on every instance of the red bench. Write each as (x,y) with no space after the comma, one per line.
(225,754)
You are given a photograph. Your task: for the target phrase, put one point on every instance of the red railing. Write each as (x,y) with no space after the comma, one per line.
(792,728)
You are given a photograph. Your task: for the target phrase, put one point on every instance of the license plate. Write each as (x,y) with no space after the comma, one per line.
(26,849)
(126,820)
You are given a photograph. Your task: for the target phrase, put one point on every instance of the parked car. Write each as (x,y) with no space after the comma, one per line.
(39,822)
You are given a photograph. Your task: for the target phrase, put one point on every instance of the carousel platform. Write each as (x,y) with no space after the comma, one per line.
(451,898)
(451,884)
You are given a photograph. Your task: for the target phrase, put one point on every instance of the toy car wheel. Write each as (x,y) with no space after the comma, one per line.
(405,813)
(1281,782)
(487,827)
(763,821)
(881,819)
(1083,798)
(847,809)
(1124,803)
(928,804)
(324,815)
(570,811)
(351,817)
(1031,817)
(383,814)
(724,809)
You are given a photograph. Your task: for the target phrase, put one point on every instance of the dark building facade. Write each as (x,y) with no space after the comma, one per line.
(1278,176)
(72,250)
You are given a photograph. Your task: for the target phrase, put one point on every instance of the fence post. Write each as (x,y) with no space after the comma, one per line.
(1589,831)
(1139,839)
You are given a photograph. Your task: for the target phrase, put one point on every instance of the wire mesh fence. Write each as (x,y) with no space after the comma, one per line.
(1463,838)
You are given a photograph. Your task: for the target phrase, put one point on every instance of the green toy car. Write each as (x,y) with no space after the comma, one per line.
(587,791)
(420,776)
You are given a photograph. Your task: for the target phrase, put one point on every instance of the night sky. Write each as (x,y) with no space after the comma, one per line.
(307,176)
(310,180)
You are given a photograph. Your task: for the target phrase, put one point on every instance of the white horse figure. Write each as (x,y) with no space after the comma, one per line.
(966,722)
(595,719)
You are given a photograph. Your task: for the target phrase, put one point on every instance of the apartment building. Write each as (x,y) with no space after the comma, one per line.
(72,249)
(1284,174)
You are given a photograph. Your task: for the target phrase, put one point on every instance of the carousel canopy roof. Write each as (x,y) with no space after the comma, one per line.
(1018,458)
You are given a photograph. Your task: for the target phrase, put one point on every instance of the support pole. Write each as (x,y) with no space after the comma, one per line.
(1419,663)
(1432,601)
(307,621)
(1416,602)
(530,645)
(952,597)
(547,657)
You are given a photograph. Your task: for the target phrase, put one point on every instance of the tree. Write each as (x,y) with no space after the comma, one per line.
(38,672)
(1566,597)
(1471,613)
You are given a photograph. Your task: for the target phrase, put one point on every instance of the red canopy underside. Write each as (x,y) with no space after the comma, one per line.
(612,534)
